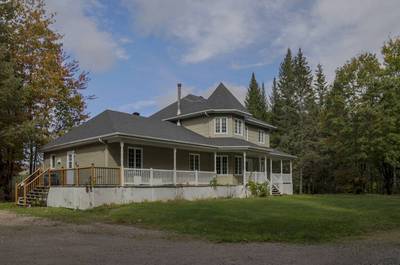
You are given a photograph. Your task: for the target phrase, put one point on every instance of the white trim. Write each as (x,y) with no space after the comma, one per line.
(51,161)
(246,129)
(134,156)
(226,124)
(194,154)
(206,111)
(72,152)
(221,163)
(241,129)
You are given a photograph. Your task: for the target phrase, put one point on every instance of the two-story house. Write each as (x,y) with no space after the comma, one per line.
(192,142)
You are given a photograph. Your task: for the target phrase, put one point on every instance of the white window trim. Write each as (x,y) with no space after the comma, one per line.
(73,159)
(215,125)
(134,156)
(194,154)
(227,165)
(51,161)
(241,164)
(247,132)
(241,127)
(261,133)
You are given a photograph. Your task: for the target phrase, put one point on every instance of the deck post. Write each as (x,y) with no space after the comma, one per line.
(196,177)
(281,171)
(174,166)
(122,173)
(270,175)
(215,163)
(244,169)
(291,171)
(265,168)
(77,176)
(151,176)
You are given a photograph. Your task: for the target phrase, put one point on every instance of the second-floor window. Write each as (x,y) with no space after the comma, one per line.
(261,136)
(238,127)
(221,125)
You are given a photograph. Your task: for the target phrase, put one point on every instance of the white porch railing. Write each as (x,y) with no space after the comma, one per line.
(258,177)
(159,177)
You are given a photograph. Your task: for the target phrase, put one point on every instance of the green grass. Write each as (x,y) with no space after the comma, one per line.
(297,219)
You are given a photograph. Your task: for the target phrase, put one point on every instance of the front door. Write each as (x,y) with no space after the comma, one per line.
(70,168)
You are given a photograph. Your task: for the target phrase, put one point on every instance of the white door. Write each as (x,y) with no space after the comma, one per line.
(70,167)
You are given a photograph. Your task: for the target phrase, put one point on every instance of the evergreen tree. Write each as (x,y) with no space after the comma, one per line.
(255,100)
(320,85)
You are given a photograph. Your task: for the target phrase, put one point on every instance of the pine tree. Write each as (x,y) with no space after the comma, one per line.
(255,101)
(320,85)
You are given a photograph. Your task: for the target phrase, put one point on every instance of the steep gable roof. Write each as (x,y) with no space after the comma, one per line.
(220,99)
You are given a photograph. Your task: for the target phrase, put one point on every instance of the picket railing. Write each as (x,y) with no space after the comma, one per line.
(159,177)
(258,177)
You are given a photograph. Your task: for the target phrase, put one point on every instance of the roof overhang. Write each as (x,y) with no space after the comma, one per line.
(206,112)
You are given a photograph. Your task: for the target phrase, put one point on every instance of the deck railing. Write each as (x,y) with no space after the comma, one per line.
(159,177)
(258,177)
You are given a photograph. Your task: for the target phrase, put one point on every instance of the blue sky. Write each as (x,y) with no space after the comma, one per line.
(137,50)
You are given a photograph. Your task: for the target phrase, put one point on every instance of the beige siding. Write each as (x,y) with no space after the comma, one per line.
(253,135)
(84,156)
(199,125)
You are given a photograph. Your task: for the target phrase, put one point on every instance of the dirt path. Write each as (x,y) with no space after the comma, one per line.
(28,240)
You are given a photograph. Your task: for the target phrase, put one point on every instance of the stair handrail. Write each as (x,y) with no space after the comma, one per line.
(32,183)
(23,183)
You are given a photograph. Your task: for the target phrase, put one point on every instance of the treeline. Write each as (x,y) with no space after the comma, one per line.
(346,134)
(40,87)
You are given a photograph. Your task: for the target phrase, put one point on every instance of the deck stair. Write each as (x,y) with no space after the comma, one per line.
(35,197)
(275,191)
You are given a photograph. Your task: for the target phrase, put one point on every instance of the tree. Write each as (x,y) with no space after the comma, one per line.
(40,86)
(255,99)
(320,85)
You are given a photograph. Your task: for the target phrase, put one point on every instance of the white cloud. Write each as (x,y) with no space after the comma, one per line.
(95,48)
(137,105)
(330,32)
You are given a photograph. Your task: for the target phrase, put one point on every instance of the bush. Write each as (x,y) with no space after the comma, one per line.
(258,189)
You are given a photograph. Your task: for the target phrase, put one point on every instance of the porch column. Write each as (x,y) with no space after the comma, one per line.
(122,178)
(281,169)
(291,171)
(270,175)
(265,168)
(174,166)
(244,169)
(215,163)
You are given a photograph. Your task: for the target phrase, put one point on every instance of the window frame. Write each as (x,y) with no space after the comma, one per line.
(134,157)
(220,125)
(247,132)
(240,172)
(261,136)
(239,122)
(221,165)
(196,155)
(72,160)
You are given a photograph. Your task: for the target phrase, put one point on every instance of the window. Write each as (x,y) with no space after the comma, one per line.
(238,127)
(261,136)
(52,161)
(222,165)
(247,133)
(135,157)
(238,165)
(70,159)
(221,125)
(194,162)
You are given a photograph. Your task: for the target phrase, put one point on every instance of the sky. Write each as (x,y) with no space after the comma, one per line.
(136,51)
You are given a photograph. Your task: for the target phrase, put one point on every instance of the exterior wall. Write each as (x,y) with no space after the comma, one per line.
(200,125)
(206,126)
(84,156)
(80,198)
(162,158)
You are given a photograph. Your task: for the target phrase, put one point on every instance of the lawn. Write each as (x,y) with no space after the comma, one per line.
(296,219)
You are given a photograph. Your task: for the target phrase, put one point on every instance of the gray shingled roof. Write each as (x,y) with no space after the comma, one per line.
(220,99)
(113,122)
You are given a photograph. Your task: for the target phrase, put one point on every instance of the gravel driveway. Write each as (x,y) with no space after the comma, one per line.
(28,240)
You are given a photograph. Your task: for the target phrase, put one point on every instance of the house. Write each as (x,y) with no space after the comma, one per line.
(193,148)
